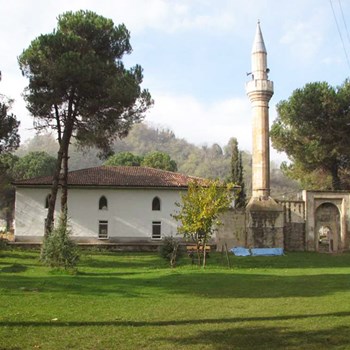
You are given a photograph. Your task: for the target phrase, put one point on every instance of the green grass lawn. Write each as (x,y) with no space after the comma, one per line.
(134,301)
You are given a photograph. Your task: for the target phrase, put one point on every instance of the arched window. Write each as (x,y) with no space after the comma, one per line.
(156,203)
(47,200)
(103,204)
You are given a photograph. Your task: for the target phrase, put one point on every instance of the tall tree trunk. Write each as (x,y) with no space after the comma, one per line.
(63,150)
(204,252)
(64,182)
(53,195)
(198,246)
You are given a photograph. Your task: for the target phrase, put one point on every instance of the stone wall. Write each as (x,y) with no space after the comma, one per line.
(264,224)
(294,236)
(294,225)
(264,228)
(232,232)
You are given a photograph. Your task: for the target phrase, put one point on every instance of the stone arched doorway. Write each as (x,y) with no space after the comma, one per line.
(327,227)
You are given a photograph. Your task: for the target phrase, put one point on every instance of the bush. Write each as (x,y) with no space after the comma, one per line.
(58,250)
(171,250)
(3,243)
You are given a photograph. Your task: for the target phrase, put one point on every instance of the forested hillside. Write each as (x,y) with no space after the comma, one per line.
(211,161)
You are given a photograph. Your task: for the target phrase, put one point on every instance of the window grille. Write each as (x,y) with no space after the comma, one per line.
(156,230)
(103,229)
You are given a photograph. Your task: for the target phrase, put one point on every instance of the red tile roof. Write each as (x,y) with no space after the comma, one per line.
(118,176)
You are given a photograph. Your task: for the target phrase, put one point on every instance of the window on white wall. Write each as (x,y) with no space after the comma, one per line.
(103,229)
(156,203)
(103,204)
(156,230)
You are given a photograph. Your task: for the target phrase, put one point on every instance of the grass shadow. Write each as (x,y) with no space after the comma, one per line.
(14,268)
(209,285)
(265,338)
(21,255)
(166,323)
(290,260)
(121,261)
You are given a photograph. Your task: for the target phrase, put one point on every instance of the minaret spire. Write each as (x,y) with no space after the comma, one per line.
(258,45)
(260,91)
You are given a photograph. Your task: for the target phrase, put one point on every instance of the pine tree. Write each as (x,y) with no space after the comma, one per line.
(237,173)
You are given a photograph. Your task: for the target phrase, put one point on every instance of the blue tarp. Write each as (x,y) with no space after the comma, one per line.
(241,251)
(266,251)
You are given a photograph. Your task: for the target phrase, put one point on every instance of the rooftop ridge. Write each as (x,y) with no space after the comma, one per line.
(118,176)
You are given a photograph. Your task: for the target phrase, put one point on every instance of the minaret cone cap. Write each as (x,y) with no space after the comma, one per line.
(258,45)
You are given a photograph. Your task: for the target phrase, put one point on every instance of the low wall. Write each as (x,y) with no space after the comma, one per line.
(294,225)
(294,236)
(232,232)
(289,234)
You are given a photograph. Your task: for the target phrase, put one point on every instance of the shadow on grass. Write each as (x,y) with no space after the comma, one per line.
(119,264)
(14,268)
(209,285)
(17,254)
(109,274)
(230,333)
(266,338)
(123,323)
(291,260)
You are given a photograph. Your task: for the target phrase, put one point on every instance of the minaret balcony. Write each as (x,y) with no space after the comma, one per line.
(260,86)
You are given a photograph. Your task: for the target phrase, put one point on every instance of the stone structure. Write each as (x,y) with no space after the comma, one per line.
(294,225)
(260,91)
(327,220)
(319,222)
(264,215)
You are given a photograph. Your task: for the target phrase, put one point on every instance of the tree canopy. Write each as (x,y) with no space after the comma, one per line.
(78,86)
(159,160)
(312,128)
(9,137)
(9,141)
(7,191)
(34,164)
(124,158)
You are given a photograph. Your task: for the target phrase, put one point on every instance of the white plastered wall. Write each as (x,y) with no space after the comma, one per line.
(129,212)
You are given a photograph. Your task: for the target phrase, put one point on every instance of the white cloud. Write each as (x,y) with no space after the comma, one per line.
(207,123)
(302,41)
(330,60)
(204,123)
(304,38)
(172,16)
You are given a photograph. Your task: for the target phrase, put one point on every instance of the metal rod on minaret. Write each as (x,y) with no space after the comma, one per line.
(260,91)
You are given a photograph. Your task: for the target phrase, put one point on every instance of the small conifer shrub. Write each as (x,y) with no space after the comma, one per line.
(58,249)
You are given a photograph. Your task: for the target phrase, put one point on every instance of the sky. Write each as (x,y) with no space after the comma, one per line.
(195,55)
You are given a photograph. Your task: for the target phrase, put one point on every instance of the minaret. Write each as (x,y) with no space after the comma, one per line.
(260,91)
(264,215)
